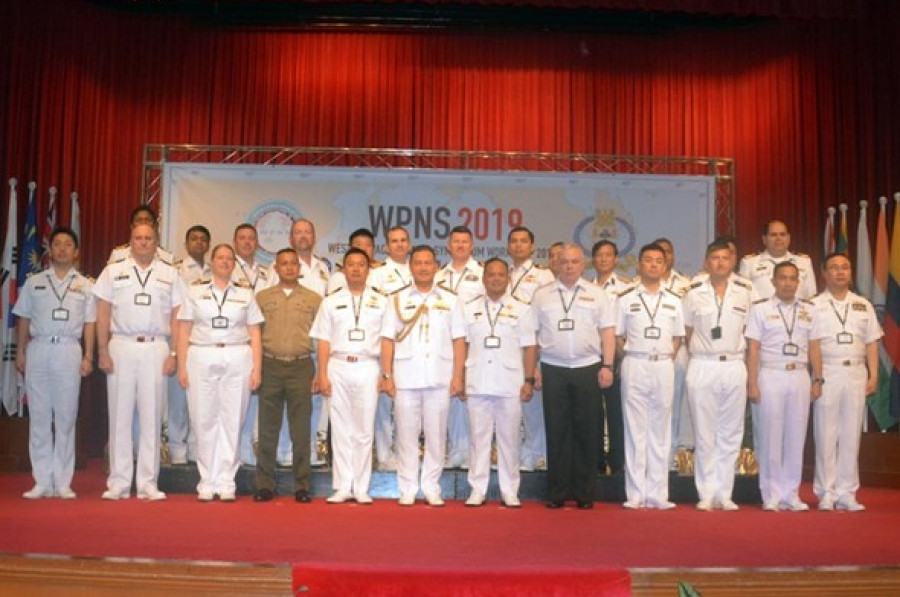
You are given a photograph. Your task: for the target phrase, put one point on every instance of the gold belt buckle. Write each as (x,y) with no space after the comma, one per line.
(790,366)
(723,357)
(847,363)
(352,359)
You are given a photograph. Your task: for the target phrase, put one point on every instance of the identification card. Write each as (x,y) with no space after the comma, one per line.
(142,298)
(356,335)
(790,349)
(219,322)
(60,314)
(652,332)
(492,342)
(716,333)
(566,325)
(845,338)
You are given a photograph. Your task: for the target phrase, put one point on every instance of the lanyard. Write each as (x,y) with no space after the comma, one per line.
(487,311)
(655,309)
(224,297)
(789,330)
(719,305)
(66,291)
(843,319)
(356,309)
(519,281)
(253,283)
(565,307)
(143,282)
(462,275)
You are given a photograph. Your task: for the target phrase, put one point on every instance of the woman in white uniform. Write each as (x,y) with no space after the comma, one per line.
(219,364)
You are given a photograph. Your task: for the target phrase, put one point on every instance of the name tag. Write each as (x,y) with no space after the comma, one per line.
(790,349)
(492,342)
(356,335)
(220,322)
(716,333)
(652,332)
(60,314)
(142,298)
(566,325)
(845,338)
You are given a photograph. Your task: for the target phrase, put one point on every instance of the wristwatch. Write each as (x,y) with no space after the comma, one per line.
(820,380)
(385,376)
(530,380)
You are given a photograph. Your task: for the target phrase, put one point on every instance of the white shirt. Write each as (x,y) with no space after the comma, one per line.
(206,302)
(191,271)
(704,311)
(424,357)
(613,286)
(497,370)
(525,279)
(124,285)
(637,310)
(774,323)
(256,277)
(341,312)
(860,321)
(122,251)
(313,275)
(759,267)
(466,283)
(391,277)
(44,294)
(676,282)
(588,308)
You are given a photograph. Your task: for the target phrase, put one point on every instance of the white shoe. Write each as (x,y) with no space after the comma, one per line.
(632,505)
(205,496)
(407,499)
(511,501)
(151,494)
(794,505)
(849,505)
(826,504)
(434,499)
(704,505)
(66,493)
(226,496)
(660,505)
(729,506)
(770,506)
(116,494)
(37,492)
(362,498)
(476,498)
(339,497)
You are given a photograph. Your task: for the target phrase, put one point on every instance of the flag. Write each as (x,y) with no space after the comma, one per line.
(880,401)
(863,254)
(842,245)
(49,225)
(9,392)
(828,241)
(891,339)
(30,250)
(75,216)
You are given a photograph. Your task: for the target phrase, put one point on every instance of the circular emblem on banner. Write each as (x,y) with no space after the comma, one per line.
(605,225)
(273,221)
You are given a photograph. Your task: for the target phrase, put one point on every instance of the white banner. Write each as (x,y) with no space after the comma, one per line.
(630,210)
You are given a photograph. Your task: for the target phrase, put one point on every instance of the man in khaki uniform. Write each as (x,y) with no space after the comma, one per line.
(287,375)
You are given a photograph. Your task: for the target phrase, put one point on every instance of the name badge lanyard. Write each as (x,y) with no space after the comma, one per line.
(716,332)
(247,276)
(843,337)
(652,332)
(60,313)
(567,324)
(220,322)
(519,281)
(356,334)
(462,275)
(493,340)
(790,349)
(142,298)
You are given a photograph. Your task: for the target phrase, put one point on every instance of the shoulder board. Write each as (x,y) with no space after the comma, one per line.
(695,285)
(378,291)
(338,267)
(334,291)
(673,293)
(29,274)
(625,280)
(122,246)
(201,281)
(548,283)
(540,266)
(376,263)
(804,255)
(523,301)
(626,291)
(89,279)
(164,261)
(750,255)
(178,262)
(327,262)
(480,264)
(398,291)
(758,301)
(446,288)
(806,301)
(741,283)
(474,298)
(120,260)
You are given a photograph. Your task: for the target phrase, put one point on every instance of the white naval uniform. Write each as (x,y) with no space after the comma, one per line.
(122,251)
(315,276)
(648,378)
(467,285)
(353,328)
(423,368)
(256,277)
(389,278)
(182,443)
(494,378)
(139,348)
(784,387)
(52,369)
(219,364)
(759,267)
(524,280)
(838,413)
(716,382)
(682,424)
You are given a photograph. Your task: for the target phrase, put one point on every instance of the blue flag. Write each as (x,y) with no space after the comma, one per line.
(30,247)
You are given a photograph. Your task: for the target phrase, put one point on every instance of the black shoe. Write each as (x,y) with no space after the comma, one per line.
(263,495)
(302,496)
(585,505)
(555,504)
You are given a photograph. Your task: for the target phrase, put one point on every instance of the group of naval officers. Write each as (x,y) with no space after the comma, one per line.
(507,364)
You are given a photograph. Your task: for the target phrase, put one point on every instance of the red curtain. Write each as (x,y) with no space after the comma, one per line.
(805,107)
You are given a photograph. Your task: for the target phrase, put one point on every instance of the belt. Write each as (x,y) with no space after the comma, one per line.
(843,362)
(220,344)
(57,339)
(784,366)
(648,356)
(286,359)
(141,339)
(718,357)
(352,358)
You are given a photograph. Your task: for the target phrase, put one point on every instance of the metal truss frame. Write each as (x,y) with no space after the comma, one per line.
(722,169)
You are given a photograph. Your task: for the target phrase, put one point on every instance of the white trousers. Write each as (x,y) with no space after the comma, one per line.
(837,423)
(384,429)
(218,396)
(534,442)
(717,394)
(416,411)
(354,396)
(52,382)
(458,431)
(647,388)
(136,383)
(783,416)
(488,415)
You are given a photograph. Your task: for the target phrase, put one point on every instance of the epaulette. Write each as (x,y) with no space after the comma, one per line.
(89,279)
(177,262)
(164,261)
(694,285)
(201,281)
(334,291)
(399,290)
(625,280)
(749,256)
(338,267)
(626,291)
(521,300)
(327,263)
(801,255)
(673,293)
(120,260)
(553,281)
(447,288)
(475,298)
(378,290)
(540,266)
(480,264)
(758,301)
(122,246)
(376,263)
(29,274)
(243,284)
(806,300)
(741,283)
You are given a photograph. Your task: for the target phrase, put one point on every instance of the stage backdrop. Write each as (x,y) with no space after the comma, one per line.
(630,210)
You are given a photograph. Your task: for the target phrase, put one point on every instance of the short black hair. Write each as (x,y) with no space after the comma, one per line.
(651,247)
(197,228)
(521,229)
(284,250)
(64,230)
(496,260)
(831,256)
(245,226)
(717,245)
(364,232)
(460,230)
(783,265)
(421,249)
(143,208)
(604,243)
(355,251)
